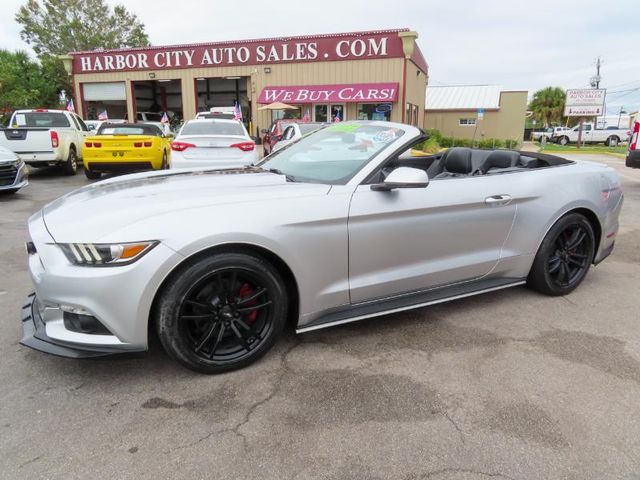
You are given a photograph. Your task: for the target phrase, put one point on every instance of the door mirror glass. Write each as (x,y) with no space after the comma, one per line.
(403,177)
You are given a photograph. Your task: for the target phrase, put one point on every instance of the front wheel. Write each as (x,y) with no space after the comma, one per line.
(70,167)
(221,312)
(564,257)
(164,161)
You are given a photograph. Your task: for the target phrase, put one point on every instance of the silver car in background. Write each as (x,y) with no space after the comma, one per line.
(14,174)
(295,131)
(220,143)
(343,225)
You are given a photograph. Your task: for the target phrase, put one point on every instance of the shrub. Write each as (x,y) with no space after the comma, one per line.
(434,134)
(430,146)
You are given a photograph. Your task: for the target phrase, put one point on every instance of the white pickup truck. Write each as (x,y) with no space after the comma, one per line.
(548,133)
(609,136)
(43,137)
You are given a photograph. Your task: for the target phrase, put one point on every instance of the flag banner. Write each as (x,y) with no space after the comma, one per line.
(70,106)
(237,112)
(103,116)
(165,118)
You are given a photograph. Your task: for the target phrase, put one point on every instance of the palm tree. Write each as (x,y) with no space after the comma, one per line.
(547,105)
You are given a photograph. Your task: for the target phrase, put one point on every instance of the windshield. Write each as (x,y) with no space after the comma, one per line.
(212,128)
(41,119)
(332,155)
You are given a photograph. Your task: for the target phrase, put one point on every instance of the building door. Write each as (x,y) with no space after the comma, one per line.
(328,113)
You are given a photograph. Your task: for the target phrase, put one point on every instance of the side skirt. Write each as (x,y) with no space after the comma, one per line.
(408,302)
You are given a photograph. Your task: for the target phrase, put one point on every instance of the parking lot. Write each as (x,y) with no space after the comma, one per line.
(510,385)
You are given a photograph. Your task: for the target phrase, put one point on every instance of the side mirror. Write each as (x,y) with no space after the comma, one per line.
(403,177)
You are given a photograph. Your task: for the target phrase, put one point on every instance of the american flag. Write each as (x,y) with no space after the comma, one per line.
(237,112)
(103,115)
(337,117)
(306,117)
(70,107)
(165,118)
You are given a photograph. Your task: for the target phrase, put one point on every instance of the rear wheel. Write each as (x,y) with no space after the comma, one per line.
(91,175)
(612,141)
(563,140)
(564,257)
(70,166)
(164,161)
(222,312)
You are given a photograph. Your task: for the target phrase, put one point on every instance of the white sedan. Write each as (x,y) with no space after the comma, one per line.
(217,143)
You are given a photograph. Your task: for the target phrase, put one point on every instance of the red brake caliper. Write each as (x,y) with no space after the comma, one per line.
(244,292)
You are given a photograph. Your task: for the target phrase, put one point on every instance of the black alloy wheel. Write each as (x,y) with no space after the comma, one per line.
(564,256)
(164,165)
(222,313)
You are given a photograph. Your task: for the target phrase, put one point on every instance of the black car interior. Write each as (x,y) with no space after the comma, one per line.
(459,162)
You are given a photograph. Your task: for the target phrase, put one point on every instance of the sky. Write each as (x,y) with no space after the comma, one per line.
(516,44)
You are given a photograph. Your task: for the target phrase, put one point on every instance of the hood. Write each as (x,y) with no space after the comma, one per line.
(89,213)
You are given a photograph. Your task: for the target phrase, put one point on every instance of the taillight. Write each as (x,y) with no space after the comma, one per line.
(97,144)
(634,139)
(55,141)
(137,144)
(147,144)
(244,146)
(181,146)
(88,144)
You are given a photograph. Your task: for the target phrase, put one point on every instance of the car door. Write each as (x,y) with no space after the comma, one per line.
(414,239)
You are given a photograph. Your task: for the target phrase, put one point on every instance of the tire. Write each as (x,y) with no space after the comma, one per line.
(164,165)
(222,312)
(70,166)
(563,140)
(91,175)
(612,141)
(564,257)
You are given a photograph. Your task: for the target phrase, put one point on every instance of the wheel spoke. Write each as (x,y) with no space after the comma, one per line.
(577,263)
(232,283)
(564,273)
(252,297)
(217,342)
(197,317)
(554,268)
(576,239)
(247,327)
(253,307)
(206,337)
(241,340)
(193,303)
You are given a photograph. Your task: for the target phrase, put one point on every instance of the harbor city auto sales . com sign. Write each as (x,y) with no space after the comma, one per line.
(251,52)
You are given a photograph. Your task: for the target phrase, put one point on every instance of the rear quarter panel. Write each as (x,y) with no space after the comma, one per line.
(543,196)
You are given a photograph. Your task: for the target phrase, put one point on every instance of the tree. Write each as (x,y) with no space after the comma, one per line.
(25,83)
(58,27)
(547,105)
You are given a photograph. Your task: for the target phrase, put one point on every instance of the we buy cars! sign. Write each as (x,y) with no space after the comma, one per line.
(584,102)
(359,92)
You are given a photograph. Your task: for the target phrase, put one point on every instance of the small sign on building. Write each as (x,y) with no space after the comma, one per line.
(480,113)
(585,102)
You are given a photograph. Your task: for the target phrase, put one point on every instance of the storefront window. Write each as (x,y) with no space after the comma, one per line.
(374,111)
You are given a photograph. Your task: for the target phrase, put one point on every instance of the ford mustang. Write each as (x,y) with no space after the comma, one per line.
(343,225)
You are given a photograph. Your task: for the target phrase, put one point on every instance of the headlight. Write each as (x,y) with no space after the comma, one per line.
(105,255)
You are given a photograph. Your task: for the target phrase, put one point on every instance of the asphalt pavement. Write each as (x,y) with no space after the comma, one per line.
(510,385)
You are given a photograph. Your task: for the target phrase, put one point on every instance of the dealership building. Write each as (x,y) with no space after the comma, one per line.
(376,75)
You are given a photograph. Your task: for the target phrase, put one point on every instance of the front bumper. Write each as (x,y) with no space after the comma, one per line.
(633,159)
(34,335)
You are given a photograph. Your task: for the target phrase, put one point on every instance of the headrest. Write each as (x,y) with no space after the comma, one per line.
(499,159)
(458,160)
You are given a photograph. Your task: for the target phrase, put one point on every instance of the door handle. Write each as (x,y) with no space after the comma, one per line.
(498,200)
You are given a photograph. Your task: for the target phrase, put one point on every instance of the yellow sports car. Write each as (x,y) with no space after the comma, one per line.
(125,147)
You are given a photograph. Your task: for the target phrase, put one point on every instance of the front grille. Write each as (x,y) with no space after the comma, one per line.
(8,174)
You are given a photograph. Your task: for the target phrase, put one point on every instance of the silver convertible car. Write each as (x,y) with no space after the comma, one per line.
(343,225)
